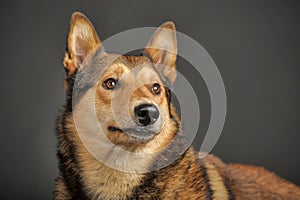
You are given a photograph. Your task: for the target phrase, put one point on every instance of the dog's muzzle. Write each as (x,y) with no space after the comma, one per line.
(146,114)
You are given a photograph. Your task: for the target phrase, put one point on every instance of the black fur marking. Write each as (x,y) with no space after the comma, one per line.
(209,191)
(226,183)
(69,173)
(137,52)
(147,188)
(169,98)
(70,80)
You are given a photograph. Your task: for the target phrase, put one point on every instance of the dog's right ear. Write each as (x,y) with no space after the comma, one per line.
(82,39)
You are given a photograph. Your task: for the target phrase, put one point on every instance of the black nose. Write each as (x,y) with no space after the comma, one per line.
(146,114)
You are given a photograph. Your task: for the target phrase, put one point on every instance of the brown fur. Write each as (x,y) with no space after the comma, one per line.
(82,176)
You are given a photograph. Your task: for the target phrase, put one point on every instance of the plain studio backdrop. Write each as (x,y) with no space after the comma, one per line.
(255,45)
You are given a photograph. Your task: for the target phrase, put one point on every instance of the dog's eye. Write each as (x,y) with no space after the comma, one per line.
(110,83)
(155,88)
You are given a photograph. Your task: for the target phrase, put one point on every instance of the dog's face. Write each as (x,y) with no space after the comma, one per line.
(132,101)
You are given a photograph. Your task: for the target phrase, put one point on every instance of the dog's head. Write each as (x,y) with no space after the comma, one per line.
(132,99)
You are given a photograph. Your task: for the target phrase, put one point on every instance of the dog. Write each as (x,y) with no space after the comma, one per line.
(168,167)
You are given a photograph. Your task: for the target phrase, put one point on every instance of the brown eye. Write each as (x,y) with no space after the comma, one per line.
(110,83)
(155,88)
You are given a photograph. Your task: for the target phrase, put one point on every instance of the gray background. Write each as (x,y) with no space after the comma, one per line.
(255,44)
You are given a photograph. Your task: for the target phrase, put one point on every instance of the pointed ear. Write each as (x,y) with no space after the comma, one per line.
(162,49)
(82,39)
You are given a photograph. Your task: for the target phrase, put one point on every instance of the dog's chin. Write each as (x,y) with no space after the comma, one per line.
(137,134)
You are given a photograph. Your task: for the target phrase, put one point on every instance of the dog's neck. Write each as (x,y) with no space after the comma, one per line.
(103,182)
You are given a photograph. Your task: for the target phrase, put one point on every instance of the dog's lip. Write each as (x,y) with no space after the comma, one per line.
(114,129)
(141,135)
(130,130)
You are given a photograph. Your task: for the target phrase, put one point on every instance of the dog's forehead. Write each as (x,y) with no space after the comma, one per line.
(134,61)
(138,65)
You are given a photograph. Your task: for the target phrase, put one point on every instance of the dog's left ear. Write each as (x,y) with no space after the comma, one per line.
(162,49)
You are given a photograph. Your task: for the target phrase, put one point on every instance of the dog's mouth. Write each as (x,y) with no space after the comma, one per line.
(137,134)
